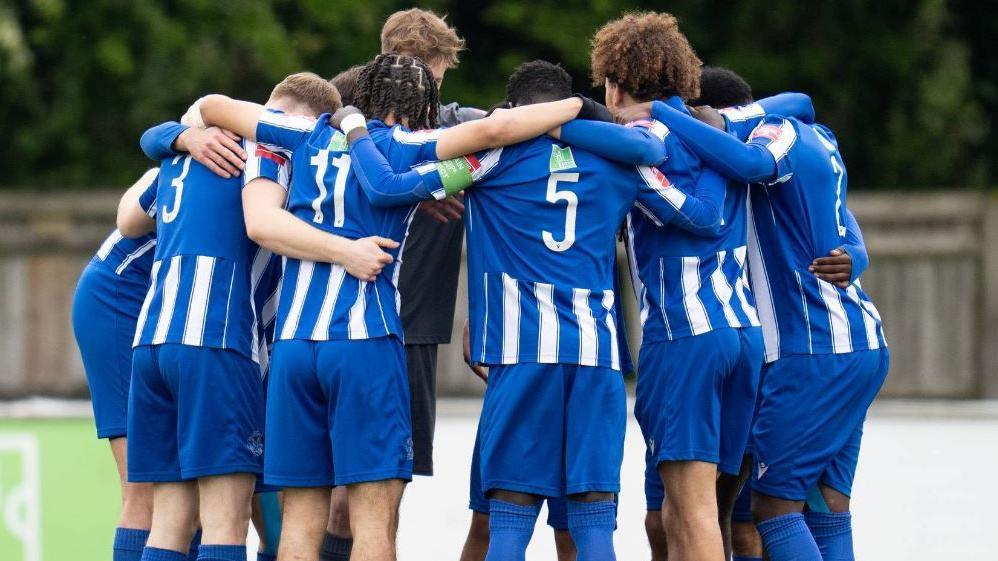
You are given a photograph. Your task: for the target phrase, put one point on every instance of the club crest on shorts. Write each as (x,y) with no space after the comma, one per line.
(763,467)
(255,443)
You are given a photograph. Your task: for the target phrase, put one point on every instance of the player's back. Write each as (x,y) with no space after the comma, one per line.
(200,287)
(689,283)
(799,215)
(541,224)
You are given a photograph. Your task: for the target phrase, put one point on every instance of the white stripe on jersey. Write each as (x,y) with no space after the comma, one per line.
(743,113)
(197,308)
(288,122)
(415,137)
(869,323)
(807,319)
(510,320)
(486,164)
(661,300)
(139,252)
(485,323)
(841,336)
(144,312)
(611,325)
(723,290)
(398,260)
(298,299)
(336,276)
(108,245)
(251,169)
(696,313)
(547,325)
(356,326)
(640,290)
(762,291)
(674,196)
(741,284)
(588,340)
(170,285)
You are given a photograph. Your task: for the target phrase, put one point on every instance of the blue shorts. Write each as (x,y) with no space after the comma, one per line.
(557,506)
(810,421)
(696,397)
(553,429)
(105,309)
(743,504)
(338,413)
(193,412)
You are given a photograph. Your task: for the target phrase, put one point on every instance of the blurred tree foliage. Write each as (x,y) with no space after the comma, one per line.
(909,86)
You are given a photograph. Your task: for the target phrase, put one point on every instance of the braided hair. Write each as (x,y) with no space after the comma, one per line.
(401,86)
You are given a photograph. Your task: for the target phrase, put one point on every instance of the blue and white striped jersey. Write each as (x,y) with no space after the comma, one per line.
(800,215)
(320,301)
(541,224)
(686,283)
(200,292)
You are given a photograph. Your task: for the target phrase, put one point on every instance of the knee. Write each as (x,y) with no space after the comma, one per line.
(745,539)
(655,531)
(339,514)
(136,505)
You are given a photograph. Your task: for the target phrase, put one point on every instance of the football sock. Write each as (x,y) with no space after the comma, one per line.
(261,556)
(157,554)
(192,553)
(222,552)
(335,548)
(128,544)
(592,526)
(737,558)
(832,532)
(510,529)
(786,538)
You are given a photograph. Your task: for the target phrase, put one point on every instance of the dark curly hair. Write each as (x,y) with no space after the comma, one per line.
(646,55)
(346,82)
(538,81)
(721,87)
(399,86)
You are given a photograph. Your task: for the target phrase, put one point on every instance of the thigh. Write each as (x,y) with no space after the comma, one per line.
(738,403)
(654,490)
(370,428)
(522,429)
(298,451)
(421,363)
(477,500)
(220,410)
(810,408)
(595,422)
(153,453)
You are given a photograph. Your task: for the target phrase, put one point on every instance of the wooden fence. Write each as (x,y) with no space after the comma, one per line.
(934,265)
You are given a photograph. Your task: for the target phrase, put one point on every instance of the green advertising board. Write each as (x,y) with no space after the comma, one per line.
(59,495)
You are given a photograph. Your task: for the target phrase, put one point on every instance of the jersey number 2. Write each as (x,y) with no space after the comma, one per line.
(554,196)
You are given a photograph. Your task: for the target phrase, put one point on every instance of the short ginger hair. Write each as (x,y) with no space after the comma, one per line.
(646,55)
(310,90)
(423,34)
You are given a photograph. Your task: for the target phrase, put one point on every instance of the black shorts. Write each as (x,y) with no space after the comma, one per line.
(422,364)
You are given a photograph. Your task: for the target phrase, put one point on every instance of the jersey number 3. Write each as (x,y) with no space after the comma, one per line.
(170,214)
(554,196)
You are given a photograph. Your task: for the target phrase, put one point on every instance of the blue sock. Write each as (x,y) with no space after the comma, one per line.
(737,558)
(592,526)
(510,529)
(335,548)
(128,544)
(157,554)
(261,556)
(192,553)
(832,532)
(786,538)
(222,552)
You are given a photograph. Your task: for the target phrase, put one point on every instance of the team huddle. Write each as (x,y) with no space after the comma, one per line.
(264,321)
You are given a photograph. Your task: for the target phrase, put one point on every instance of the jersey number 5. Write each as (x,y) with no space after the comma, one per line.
(554,196)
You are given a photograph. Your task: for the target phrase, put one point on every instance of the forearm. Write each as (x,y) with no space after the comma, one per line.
(131,220)
(723,152)
(506,127)
(855,246)
(240,117)
(281,232)
(158,142)
(386,188)
(629,145)
(789,104)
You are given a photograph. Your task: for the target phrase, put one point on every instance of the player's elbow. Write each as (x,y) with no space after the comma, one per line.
(498,130)
(212,106)
(258,228)
(134,224)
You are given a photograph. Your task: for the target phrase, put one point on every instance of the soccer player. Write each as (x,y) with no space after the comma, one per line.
(702,346)
(331,329)
(196,351)
(428,291)
(541,224)
(825,350)
(106,305)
